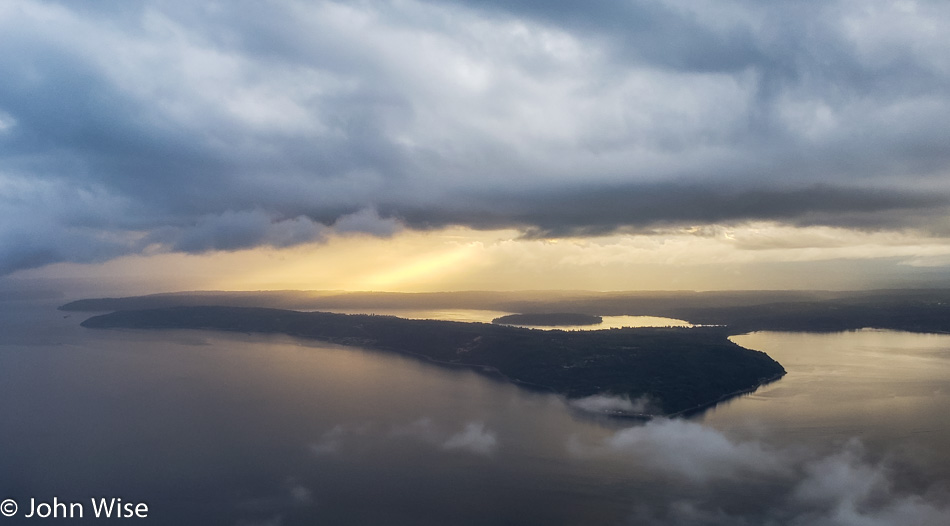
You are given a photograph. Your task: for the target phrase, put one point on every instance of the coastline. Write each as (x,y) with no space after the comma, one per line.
(680,368)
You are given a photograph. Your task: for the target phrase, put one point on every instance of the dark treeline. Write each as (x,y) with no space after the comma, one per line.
(741,311)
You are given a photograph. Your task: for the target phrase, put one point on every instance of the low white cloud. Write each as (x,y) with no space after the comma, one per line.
(474,438)
(614,404)
(700,469)
(333,440)
(685,450)
(844,489)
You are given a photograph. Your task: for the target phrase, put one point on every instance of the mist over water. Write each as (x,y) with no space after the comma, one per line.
(226,428)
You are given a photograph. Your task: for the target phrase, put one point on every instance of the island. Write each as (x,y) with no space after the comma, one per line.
(676,370)
(550,319)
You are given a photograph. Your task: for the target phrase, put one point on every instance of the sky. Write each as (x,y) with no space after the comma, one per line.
(421,145)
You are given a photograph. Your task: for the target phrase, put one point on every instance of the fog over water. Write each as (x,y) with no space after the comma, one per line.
(227,428)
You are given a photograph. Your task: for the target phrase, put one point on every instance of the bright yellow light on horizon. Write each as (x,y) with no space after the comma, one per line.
(716,257)
(408,262)
(420,270)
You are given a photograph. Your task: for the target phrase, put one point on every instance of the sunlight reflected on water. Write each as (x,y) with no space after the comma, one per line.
(231,428)
(486,316)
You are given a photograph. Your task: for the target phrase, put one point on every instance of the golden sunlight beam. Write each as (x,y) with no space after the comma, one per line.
(755,255)
(421,269)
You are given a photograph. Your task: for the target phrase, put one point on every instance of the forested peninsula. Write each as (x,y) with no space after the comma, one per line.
(677,370)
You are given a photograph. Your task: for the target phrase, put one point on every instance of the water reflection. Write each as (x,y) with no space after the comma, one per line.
(879,385)
(486,316)
(464,315)
(616,322)
(225,428)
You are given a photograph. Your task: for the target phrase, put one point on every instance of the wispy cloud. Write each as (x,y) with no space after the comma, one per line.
(474,437)
(333,440)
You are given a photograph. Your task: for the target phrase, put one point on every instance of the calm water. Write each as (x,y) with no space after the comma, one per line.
(216,428)
(616,322)
(486,316)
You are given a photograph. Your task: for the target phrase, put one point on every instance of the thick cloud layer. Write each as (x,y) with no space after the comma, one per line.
(138,127)
(708,478)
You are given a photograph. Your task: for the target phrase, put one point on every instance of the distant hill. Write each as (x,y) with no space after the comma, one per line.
(741,311)
(649,303)
(676,369)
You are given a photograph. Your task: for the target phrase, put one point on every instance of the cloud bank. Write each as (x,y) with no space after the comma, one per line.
(708,478)
(143,127)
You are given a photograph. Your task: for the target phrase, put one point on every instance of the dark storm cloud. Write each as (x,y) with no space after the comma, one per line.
(591,211)
(194,127)
(236,230)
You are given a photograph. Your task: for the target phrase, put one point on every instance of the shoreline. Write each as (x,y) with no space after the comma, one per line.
(490,371)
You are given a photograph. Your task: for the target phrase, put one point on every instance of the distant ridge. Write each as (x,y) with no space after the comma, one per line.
(741,311)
